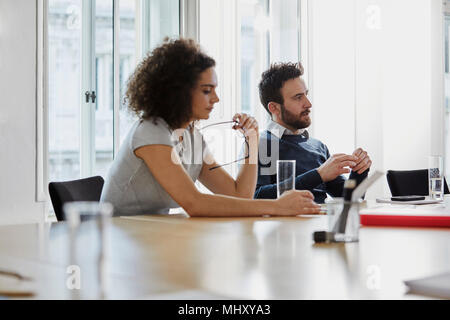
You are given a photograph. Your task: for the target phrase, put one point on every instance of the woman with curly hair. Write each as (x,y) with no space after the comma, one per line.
(164,154)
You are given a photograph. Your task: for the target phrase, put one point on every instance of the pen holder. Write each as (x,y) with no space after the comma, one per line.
(343,219)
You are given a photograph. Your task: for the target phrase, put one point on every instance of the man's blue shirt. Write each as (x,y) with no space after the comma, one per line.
(309,154)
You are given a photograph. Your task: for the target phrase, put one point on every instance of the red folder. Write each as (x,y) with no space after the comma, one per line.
(406,217)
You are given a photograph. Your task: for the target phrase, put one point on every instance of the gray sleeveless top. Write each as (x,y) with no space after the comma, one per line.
(130,186)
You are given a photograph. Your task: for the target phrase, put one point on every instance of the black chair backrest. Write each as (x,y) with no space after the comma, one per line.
(410,183)
(89,189)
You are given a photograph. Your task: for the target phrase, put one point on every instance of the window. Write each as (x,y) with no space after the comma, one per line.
(270,32)
(244,37)
(128,59)
(64,70)
(255,51)
(93,47)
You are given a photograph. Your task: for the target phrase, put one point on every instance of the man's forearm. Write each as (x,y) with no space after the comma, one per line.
(336,187)
(308,180)
(268,191)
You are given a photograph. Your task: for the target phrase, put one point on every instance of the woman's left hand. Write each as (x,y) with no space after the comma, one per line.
(247,125)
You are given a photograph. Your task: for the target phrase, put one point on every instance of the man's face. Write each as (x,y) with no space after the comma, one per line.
(296,108)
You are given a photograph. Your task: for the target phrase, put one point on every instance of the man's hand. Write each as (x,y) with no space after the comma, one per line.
(336,165)
(363,163)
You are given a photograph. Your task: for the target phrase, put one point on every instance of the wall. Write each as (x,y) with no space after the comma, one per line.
(332,63)
(378,80)
(18,112)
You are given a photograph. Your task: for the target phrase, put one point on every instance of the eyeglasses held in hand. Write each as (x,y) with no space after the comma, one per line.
(246,143)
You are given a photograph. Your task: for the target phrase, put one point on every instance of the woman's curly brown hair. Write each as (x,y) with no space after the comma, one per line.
(162,84)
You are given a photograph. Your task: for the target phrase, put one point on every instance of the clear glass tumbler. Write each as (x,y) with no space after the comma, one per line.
(436,177)
(285,176)
(88,226)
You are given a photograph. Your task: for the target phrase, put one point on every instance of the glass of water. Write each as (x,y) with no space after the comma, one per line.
(88,226)
(436,177)
(285,176)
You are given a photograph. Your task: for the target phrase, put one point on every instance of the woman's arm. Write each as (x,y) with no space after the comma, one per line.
(174,179)
(219,181)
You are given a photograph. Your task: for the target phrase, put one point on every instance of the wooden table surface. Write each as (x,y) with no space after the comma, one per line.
(239,258)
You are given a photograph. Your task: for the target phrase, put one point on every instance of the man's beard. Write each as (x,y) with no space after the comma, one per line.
(293,120)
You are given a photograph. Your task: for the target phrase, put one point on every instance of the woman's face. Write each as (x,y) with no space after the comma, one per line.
(204,95)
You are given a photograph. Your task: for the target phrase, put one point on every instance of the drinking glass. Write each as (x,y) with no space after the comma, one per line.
(436,177)
(88,224)
(285,176)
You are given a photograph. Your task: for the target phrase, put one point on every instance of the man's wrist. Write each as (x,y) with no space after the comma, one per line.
(321,174)
(308,181)
(366,172)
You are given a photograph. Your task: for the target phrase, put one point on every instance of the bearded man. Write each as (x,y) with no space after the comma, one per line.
(284,95)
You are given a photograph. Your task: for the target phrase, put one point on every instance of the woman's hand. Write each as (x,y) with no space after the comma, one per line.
(294,202)
(246,124)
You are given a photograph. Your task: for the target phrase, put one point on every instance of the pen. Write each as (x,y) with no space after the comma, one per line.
(327,237)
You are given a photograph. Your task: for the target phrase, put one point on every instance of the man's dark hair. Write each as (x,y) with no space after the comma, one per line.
(273,80)
(162,84)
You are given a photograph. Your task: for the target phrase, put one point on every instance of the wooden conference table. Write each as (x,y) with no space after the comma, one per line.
(176,257)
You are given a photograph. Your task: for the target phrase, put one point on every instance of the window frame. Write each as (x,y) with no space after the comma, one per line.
(230,93)
(187,28)
(446,70)
(41,102)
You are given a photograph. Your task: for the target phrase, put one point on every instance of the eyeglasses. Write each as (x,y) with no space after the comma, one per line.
(246,143)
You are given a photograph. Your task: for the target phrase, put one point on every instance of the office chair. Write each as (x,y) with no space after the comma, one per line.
(89,189)
(408,183)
